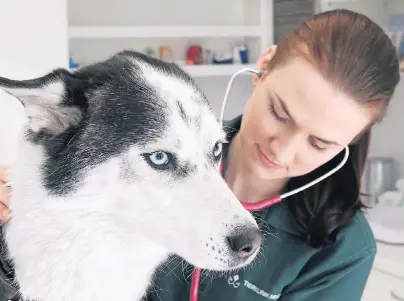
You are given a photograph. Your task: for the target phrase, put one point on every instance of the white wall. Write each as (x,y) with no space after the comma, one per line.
(33,34)
(33,39)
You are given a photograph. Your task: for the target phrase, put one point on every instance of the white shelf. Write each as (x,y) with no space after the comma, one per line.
(96,32)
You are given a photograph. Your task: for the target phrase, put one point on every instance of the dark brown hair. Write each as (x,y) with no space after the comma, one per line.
(356,55)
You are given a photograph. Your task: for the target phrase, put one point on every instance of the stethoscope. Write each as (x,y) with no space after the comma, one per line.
(264,203)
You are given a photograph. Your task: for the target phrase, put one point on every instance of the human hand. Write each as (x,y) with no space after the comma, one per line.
(5,195)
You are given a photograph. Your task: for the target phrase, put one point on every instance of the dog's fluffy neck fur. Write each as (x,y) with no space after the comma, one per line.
(113,252)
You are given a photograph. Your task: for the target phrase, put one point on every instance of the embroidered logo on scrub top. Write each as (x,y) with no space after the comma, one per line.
(235,281)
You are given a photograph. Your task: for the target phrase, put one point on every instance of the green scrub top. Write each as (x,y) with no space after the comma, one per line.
(287,270)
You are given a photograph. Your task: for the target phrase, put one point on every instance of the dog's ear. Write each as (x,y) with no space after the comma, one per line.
(52,103)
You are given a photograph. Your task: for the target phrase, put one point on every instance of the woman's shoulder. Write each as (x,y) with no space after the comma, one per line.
(356,237)
(354,240)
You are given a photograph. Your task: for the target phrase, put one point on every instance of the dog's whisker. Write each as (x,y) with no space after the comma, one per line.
(185,265)
(273,234)
(172,271)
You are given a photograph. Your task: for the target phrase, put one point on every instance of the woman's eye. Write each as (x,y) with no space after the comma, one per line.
(217,150)
(316,146)
(276,115)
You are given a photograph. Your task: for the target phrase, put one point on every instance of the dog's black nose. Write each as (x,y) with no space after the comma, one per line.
(244,243)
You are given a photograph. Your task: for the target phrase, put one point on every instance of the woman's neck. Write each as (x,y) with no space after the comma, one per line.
(247,187)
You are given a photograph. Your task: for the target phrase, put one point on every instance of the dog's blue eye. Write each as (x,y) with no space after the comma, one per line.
(159,158)
(218,149)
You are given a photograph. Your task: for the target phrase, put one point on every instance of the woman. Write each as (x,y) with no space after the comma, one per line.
(322,88)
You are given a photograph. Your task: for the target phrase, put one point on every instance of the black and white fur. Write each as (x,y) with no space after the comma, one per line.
(96,208)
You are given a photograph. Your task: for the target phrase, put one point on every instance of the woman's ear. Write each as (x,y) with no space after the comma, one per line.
(262,62)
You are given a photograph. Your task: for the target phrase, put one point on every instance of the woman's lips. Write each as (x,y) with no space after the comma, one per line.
(267,161)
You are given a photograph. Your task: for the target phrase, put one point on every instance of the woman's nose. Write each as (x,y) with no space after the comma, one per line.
(287,147)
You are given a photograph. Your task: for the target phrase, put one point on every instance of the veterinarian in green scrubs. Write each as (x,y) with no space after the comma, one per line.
(322,88)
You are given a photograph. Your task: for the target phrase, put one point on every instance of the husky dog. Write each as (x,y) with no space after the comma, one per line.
(117,168)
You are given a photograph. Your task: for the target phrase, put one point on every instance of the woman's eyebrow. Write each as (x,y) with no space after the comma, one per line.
(283,105)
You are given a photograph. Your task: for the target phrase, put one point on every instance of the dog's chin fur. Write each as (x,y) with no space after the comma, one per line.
(93,217)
